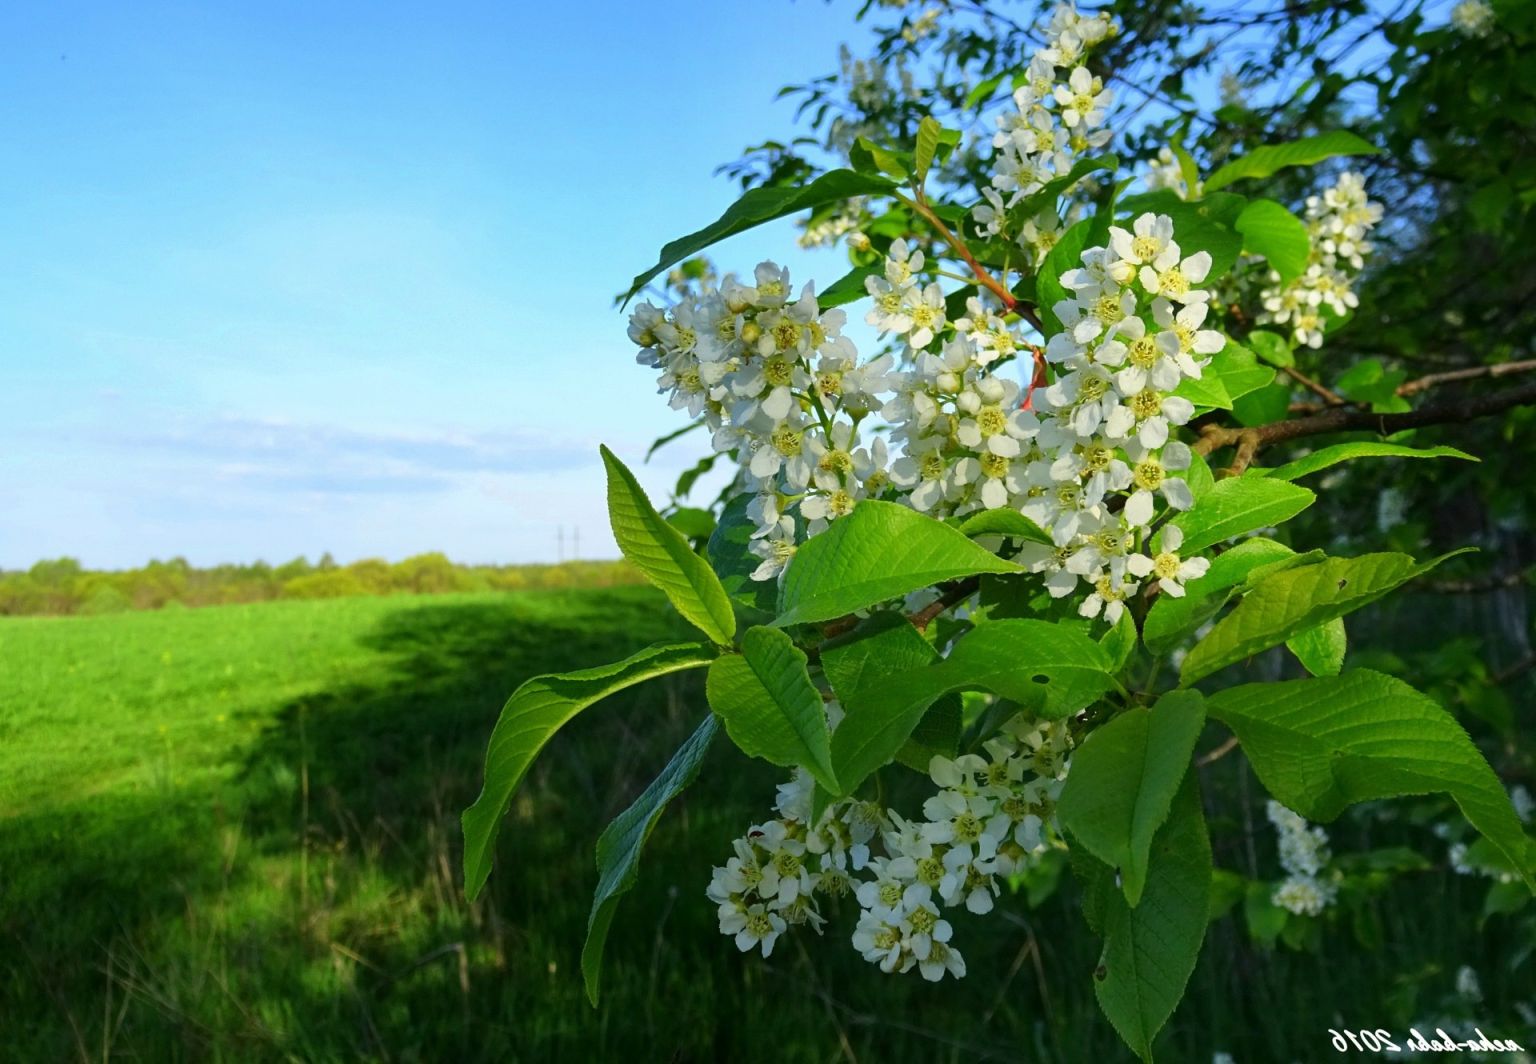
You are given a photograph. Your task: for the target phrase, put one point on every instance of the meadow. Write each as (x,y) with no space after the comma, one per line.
(231,834)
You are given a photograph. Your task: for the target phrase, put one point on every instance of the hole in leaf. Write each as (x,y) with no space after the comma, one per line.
(1342,583)
(1040,677)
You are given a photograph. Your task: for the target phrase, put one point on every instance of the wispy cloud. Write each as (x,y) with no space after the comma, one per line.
(285,456)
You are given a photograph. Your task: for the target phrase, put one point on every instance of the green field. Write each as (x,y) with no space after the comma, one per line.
(231,834)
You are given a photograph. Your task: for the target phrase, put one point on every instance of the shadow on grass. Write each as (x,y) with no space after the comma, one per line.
(310,908)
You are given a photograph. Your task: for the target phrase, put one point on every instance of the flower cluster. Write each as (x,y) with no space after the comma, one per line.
(1473,18)
(1166,172)
(1061,110)
(1304,855)
(1337,221)
(989,815)
(779,387)
(781,866)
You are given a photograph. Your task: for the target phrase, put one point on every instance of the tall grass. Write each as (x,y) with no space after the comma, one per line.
(231,834)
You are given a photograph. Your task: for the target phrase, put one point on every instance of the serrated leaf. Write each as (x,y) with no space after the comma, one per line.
(1272,348)
(536,710)
(1004,522)
(879,552)
(1206,391)
(770,707)
(848,288)
(1278,235)
(1237,505)
(928,131)
(1321,648)
(1048,669)
(1323,744)
(1065,254)
(882,646)
(1240,371)
(761,205)
(1206,224)
(732,560)
(1171,619)
(664,557)
(1262,162)
(1119,642)
(1150,950)
(623,840)
(661,441)
(1296,599)
(1123,779)
(1343,452)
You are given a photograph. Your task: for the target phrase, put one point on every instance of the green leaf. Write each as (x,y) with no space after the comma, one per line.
(848,288)
(1272,231)
(928,133)
(1051,670)
(879,552)
(661,441)
(1323,744)
(1237,505)
(770,707)
(1171,619)
(1150,950)
(1123,780)
(1321,648)
(1065,254)
(664,557)
(1206,224)
(619,848)
(1206,391)
(984,90)
(1272,348)
(536,710)
(1240,371)
(1291,601)
(1119,642)
(692,522)
(1004,522)
(734,563)
(1342,452)
(1051,191)
(867,157)
(882,646)
(761,205)
(1265,919)
(1262,162)
(1263,405)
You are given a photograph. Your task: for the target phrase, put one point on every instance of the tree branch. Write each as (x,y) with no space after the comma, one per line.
(1413,387)
(1345,419)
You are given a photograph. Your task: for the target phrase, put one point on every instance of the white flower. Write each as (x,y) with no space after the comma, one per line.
(1172,571)
(926,312)
(1304,895)
(1178,280)
(1149,476)
(1473,17)
(752,927)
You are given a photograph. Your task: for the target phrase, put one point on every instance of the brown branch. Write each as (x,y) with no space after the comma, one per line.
(1345,419)
(1502,369)
(1329,397)
(1220,752)
(1413,387)
(953,595)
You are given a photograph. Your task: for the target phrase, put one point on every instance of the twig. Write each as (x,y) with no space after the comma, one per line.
(1344,419)
(1502,369)
(1317,388)
(1220,752)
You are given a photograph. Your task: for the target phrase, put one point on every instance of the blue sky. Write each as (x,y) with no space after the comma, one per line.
(286,278)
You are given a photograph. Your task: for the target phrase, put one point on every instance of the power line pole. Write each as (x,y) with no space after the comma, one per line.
(576,544)
(560,543)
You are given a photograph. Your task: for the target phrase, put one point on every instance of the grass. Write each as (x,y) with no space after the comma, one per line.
(231,834)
